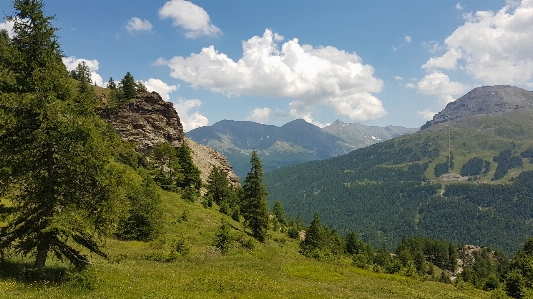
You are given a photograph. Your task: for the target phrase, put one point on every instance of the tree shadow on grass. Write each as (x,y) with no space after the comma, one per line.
(25,272)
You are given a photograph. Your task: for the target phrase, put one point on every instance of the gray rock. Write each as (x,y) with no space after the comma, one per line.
(148,120)
(484,100)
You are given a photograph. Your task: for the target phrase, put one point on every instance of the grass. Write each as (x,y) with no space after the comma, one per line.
(273,269)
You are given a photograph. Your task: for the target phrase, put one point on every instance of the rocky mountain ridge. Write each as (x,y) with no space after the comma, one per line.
(147,120)
(295,142)
(483,101)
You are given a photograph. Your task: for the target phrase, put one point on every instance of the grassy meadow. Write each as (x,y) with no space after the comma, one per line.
(197,269)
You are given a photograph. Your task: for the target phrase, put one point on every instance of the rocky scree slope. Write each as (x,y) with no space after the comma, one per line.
(147,120)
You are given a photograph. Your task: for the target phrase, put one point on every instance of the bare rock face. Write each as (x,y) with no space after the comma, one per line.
(485,100)
(148,120)
(205,158)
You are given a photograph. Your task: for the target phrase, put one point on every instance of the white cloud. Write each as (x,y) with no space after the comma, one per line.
(458,6)
(439,84)
(398,78)
(259,115)
(136,24)
(427,114)
(190,17)
(71,63)
(407,39)
(493,47)
(190,121)
(8,26)
(160,87)
(280,113)
(310,76)
(410,85)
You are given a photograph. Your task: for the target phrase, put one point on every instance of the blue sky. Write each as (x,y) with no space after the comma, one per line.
(373,62)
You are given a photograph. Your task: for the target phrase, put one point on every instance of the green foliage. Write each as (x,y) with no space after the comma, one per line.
(128,87)
(143,220)
(506,161)
(475,166)
(54,151)
(218,186)
(168,173)
(223,238)
(82,73)
(279,212)
(191,174)
(254,206)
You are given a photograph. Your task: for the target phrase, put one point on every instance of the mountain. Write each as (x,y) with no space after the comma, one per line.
(360,135)
(484,101)
(409,185)
(295,142)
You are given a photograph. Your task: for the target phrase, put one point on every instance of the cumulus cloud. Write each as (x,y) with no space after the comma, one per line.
(190,121)
(439,84)
(72,62)
(190,17)
(260,115)
(407,39)
(136,24)
(427,114)
(458,6)
(8,26)
(410,85)
(160,87)
(492,47)
(309,76)
(398,78)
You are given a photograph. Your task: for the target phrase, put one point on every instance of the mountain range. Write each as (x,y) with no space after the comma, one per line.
(466,177)
(295,142)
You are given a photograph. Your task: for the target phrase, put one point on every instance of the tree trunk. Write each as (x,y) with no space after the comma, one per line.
(42,254)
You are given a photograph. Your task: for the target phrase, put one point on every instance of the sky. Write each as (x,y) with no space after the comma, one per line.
(374,62)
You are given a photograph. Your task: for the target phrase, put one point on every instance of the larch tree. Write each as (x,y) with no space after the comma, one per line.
(191,174)
(254,205)
(218,186)
(55,152)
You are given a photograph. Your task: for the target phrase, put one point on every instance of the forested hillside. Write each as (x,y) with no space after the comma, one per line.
(402,186)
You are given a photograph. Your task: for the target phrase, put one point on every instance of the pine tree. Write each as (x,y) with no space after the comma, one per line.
(191,174)
(128,86)
(168,171)
(315,236)
(218,186)
(54,160)
(279,212)
(254,206)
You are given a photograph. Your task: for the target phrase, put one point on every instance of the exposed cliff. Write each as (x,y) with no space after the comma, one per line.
(147,120)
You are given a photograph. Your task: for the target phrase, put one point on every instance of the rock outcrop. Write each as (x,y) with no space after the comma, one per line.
(485,100)
(147,120)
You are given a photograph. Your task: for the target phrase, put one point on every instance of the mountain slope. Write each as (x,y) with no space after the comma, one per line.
(394,188)
(485,100)
(295,142)
(360,135)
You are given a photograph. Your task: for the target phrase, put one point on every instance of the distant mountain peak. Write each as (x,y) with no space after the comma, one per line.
(484,100)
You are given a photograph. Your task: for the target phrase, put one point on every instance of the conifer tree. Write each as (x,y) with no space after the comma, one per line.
(279,212)
(128,86)
(218,186)
(191,174)
(254,206)
(54,160)
(315,236)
